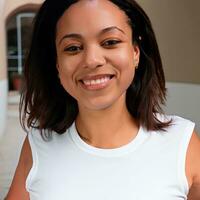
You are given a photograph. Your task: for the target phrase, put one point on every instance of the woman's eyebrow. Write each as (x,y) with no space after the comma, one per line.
(71,35)
(111,28)
(78,36)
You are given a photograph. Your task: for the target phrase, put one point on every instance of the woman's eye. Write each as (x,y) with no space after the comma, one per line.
(111,42)
(73,49)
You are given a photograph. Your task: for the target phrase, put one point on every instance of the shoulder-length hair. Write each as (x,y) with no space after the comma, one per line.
(46,105)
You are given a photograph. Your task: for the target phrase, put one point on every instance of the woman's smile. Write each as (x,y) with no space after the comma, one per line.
(97,83)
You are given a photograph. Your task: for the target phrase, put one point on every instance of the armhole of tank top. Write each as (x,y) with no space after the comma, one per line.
(33,170)
(182,156)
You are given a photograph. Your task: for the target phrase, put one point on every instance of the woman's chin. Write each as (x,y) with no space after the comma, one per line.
(98,107)
(100,104)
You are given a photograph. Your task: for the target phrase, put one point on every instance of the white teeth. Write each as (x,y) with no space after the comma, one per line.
(86,82)
(96,81)
(93,82)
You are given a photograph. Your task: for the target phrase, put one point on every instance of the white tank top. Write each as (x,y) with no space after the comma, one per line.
(150,167)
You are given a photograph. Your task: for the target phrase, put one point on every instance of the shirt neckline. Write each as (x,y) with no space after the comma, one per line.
(113,152)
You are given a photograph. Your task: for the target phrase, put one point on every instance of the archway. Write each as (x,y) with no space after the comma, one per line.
(18,30)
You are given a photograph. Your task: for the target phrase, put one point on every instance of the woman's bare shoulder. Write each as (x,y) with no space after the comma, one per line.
(17,188)
(193,167)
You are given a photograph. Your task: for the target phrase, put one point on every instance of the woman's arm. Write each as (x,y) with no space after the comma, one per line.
(193,167)
(17,189)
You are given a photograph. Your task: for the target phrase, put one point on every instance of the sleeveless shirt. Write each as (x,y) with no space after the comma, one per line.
(150,167)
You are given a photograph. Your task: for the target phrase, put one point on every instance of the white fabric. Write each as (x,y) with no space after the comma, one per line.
(150,167)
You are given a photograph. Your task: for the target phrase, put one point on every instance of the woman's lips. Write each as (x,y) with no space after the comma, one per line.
(96,82)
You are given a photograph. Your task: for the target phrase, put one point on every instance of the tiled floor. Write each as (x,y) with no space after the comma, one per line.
(10,147)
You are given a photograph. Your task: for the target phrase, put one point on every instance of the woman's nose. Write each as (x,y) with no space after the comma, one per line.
(93,57)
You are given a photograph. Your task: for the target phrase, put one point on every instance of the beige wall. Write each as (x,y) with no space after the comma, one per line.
(177,26)
(11,5)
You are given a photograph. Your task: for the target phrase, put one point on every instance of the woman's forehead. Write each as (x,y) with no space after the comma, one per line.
(101,7)
(91,13)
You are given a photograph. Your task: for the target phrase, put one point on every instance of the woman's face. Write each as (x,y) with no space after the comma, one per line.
(95,56)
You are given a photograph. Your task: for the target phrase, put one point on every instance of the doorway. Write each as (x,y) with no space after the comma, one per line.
(19,30)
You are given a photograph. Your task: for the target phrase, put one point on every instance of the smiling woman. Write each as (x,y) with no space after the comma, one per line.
(92,110)
(84,56)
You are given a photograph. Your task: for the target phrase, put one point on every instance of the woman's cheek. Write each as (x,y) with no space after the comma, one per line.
(65,66)
(67,79)
(123,61)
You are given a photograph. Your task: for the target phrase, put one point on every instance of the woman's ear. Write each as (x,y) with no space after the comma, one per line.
(136,55)
(57,67)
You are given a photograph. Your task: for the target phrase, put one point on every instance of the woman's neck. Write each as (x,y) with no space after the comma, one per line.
(109,128)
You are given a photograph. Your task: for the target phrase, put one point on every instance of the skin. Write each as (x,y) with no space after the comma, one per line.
(91,54)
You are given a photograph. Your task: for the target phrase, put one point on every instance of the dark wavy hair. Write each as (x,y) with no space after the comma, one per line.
(46,105)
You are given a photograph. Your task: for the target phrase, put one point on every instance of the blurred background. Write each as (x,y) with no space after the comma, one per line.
(177,27)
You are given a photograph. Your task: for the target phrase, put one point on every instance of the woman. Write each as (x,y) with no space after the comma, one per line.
(93,96)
